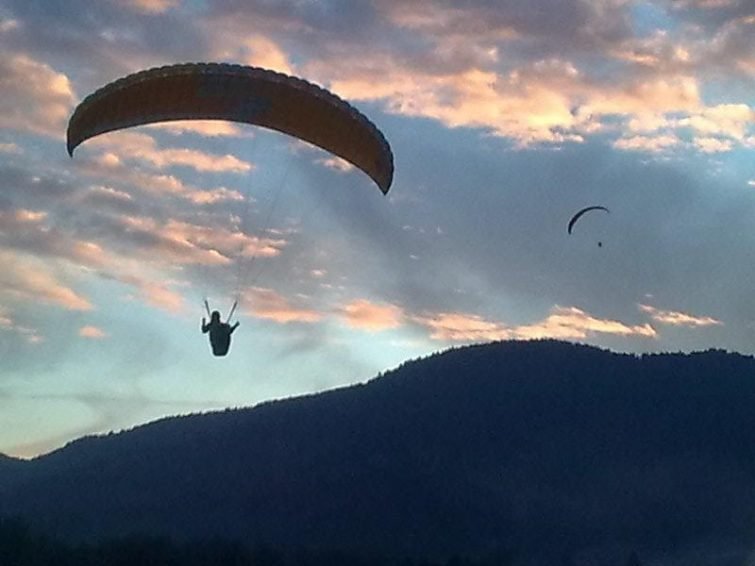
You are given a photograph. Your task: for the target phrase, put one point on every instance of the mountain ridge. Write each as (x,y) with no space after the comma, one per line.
(501,445)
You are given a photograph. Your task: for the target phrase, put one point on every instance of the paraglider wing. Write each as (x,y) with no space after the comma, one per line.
(579,215)
(217,91)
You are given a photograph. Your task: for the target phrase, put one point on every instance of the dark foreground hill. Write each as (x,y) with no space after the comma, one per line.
(559,453)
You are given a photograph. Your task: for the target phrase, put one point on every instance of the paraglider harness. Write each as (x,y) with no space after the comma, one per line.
(220,332)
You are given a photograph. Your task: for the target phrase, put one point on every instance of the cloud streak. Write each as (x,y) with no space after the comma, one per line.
(677,318)
(366,315)
(562,322)
(92,332)
(30,281)
(33,96)
(270,305)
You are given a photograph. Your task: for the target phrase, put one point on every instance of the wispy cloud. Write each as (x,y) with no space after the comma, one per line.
(574,323)
(179,242)
(677,318)
(206,128)
(650,144)
(152,6)
(461,327)
(11,148)
(143,147)
(108,168)
(252,49)
(92,332)
(9,324)
(367,315)
(336,164)
(30,280)
(150,289)
(562,322)
(33,96)
(271,305)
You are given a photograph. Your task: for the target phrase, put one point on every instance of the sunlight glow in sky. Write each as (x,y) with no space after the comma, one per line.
(505,118)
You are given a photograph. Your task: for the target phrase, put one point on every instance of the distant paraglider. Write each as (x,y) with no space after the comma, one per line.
(581,213)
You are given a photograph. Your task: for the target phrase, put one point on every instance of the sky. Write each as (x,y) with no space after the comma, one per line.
(505,117)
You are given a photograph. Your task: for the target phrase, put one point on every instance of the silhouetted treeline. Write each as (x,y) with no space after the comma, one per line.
(20,546)
(549,448)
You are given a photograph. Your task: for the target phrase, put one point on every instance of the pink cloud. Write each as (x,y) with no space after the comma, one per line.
(8,324)
(562,322)
(271,305)
(207,128)
(574,323)
(109,168)
(713,145)
(336,164)
(137,145)
(31,280)
(11,148)
(160,296)
(33,96)
(5,319)
(92,332)
(651,144)
(27,231)
(153,7)
(366,315)
(677,318)
(186,243)
(154,292)
(460,327)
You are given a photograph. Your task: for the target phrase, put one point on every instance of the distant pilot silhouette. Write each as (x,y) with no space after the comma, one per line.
(220,333)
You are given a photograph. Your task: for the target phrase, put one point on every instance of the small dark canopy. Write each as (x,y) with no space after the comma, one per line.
(581,213)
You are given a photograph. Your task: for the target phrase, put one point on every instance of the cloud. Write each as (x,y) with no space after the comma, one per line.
(563,322)
(109,168)
(365,315)
(8,324)
(180,242)
(158,295)
(517,73)
(713,145)
(519,106)
(649,144)
(33,97)
(336,164)
(730,120)
(8,24)
(574,323)
(31,216)
(568,23)
(676,318)
(139,146)
(206,128)
(30,280)
(256,50)
(92,332)
(550,100)
(460,327)
(152,6)
(271,305)
(11,148)
(105,199)
(27,231)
